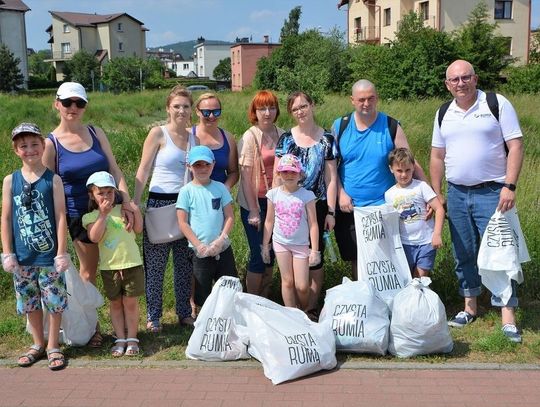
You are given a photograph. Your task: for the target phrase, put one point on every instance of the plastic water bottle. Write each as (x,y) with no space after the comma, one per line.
(329,247)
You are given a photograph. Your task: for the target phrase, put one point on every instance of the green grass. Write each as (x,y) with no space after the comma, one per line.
(126,119)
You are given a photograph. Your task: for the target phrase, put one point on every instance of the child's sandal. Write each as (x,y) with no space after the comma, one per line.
(35,353)
(53,360)
(118,350)
(132,350)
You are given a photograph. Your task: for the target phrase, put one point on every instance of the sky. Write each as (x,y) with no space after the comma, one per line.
(171,21)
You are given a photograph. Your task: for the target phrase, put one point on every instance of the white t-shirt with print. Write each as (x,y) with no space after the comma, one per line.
(411,203)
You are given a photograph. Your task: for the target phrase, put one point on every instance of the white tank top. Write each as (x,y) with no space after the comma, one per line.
(169,166)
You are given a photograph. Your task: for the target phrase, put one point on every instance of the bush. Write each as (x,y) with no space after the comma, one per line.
(523,79)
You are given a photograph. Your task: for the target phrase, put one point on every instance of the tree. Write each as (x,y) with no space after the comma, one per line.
(11,78)
(124,74)
(79,68)
(222,72)
(292,25)
(478,44)
(37,65)
(534,52)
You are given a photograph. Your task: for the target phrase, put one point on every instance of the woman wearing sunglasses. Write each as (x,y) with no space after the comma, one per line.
(315,147)
(75,151)
(256,158)
(208,133)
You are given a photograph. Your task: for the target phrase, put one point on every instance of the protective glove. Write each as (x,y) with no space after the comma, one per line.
(314,258)
(10,263)
(219,245)
(265,253)
(201,251)
(254,218)
(61,263)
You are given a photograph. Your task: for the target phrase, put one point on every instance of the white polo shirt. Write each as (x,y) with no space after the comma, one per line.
(474,140)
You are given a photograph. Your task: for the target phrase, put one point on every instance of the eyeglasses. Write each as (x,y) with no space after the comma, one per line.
(80,103)
(26,198)
(208,112)
(266,108)
(455,80)
(301,107)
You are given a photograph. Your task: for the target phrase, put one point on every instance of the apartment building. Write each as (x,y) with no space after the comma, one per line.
(13,31)
(207,56)
(244,57)
(107,36)
(376,21)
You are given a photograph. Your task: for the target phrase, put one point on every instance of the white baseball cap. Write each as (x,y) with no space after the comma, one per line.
(71,90)
(101,179)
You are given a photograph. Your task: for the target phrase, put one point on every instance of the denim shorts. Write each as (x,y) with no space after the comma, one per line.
(34,285)
(421,256)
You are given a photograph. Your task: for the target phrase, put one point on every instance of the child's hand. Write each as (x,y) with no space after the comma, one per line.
(105,207)
(61,263)
(314,258)
(202,250)
(10,263)
(265,253)
(219,245)
(436,241)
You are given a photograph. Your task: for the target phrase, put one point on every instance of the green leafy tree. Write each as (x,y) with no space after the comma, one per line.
(79,68)
(478,43)
(534,53)
(291,26)
(11,78)
(222,72)
(37,65)
(123,74)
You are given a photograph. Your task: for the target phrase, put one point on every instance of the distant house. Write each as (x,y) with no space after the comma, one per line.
(107,36)
(207,56)
(13,31)
(172,60)
(244,57)
(376,21)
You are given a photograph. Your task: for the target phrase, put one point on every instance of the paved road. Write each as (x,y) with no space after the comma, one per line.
(162,384)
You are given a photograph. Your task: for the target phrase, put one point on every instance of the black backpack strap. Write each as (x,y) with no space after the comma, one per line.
(493,104)
(442,111)
(342,126)
(392,127)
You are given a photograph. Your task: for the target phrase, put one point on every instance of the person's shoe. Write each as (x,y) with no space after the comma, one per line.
(512,333)
(461,319)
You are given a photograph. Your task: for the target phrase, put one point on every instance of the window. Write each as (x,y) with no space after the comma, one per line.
(358,24)
(503,10)
(508,45)
(66,28)
(186,66)
(66,48)
(424,10)
(119,27)
(387,16)
(121,46)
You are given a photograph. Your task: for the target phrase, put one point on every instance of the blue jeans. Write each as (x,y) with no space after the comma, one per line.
(254,237)
(469,211)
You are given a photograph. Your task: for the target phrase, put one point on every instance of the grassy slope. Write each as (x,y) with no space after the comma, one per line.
(126,119)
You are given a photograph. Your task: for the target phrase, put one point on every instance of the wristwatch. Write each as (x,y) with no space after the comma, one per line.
(511,187)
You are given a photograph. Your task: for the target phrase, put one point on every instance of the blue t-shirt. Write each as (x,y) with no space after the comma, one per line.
(34,224)
(204,205)
(363,167)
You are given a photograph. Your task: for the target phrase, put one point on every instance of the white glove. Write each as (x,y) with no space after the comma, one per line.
(61,263)
(10,263)
(265,253)
(314,258)
(201,251)
(219,245)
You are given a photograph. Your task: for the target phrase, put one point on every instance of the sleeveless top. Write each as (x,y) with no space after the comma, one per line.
(221,155)
(75,168)
(169,171)
(34,226)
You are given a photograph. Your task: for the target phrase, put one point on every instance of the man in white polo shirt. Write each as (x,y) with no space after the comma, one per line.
(468,147)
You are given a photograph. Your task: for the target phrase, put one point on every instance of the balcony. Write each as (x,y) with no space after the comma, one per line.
(368,34)
(61,56)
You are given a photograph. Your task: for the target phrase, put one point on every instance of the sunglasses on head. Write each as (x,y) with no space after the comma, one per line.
(80,103)
(26,197)
(208,112)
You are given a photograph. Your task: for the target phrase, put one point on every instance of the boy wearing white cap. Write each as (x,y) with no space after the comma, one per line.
(34,243)
(206,216)
(119,260)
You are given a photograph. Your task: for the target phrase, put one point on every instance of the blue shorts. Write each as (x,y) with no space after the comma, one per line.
(34,285)
(421,256)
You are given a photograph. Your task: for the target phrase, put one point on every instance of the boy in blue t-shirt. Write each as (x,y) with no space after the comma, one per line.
(34,243)
(206,216)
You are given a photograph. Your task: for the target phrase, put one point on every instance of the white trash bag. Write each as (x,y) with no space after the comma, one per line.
(501,253)
(381,258)
(214,337)
(360,318)
(284,340)
(418,325)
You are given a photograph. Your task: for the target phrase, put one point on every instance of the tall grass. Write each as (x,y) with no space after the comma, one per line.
(126,119)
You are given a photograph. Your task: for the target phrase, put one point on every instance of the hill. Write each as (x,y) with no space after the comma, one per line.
(185,47)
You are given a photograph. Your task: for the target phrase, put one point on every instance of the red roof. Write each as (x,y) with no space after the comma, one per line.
(14,5)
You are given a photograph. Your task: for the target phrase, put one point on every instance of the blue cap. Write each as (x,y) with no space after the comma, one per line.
(101,179)
(200,153)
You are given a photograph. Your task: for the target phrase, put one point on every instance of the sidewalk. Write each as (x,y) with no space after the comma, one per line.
(190,383)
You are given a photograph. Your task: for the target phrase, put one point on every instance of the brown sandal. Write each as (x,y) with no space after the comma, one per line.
(96,341)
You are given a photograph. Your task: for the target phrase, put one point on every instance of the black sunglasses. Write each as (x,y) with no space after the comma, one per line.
(208,112)
(80,103)
(26,198)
